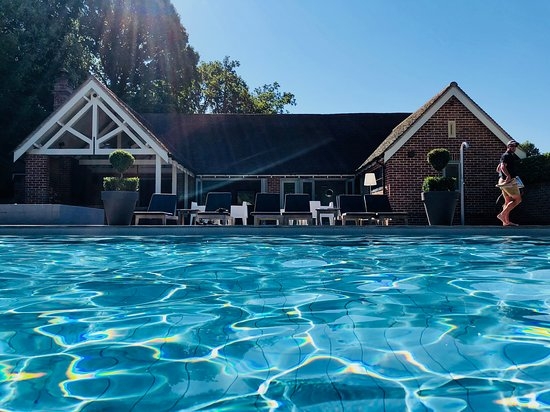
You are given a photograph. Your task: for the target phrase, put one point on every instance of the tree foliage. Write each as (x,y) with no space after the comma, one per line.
(219,89)
(36,39)
(267,99)
(138,48)
(141,51)
(535,169)
(529,148)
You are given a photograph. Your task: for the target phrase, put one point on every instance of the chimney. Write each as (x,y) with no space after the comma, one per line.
(61,89)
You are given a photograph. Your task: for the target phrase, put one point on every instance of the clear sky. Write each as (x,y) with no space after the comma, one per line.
(362,56)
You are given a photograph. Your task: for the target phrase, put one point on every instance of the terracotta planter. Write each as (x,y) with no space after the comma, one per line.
(119,206)
(440,207)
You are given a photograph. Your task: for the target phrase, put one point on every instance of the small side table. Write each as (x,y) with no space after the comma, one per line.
(334,211)
(183,212)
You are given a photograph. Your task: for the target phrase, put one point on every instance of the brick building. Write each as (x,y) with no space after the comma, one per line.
(66,157)
(447,120)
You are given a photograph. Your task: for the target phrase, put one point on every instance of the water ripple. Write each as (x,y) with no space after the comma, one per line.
(271,323)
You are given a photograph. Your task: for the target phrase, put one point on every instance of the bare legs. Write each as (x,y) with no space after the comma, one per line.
(510,202)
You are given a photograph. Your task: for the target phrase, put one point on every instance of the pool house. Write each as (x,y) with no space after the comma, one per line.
(66,157)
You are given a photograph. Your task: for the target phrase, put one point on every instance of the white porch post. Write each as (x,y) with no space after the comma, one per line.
(158,173)
(174,179)
(186,189)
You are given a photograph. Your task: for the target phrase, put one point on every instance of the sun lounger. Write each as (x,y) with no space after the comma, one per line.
(380,204)
(162,207)
(216,208)
(297,208)
(267,207)
(353,209)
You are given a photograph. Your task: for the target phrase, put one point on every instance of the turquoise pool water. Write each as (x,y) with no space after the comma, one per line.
(314,323)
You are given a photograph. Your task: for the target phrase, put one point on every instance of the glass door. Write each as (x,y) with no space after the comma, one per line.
(297,186)
(308,186)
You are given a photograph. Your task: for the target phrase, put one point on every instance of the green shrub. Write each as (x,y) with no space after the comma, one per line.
(439,158)
(438,184)
(121,183)
(121,160)
(535,169)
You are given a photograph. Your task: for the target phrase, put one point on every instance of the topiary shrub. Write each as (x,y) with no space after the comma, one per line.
(121,160)
(130,184)
(438,184)
(438,159)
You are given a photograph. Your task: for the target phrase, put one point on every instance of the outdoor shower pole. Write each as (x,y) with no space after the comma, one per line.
(463,146)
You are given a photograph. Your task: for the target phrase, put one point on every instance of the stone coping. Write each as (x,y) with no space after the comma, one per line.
(288,231)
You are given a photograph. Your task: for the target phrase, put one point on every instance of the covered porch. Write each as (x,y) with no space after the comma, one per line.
(66,157)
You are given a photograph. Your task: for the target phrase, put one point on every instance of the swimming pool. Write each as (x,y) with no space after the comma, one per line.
(337,323)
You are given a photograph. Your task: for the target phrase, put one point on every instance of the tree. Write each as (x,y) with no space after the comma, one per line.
(529,148)
(36,36)
(267,99)
(141,52)
(219,89)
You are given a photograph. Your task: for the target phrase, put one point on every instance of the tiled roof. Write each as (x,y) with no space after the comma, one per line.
(402,127)
(236,144)
(408,122)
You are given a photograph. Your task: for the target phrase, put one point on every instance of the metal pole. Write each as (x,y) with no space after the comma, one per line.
(463,146)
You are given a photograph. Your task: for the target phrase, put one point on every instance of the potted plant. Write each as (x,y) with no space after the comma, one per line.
(120,194)
(439,192)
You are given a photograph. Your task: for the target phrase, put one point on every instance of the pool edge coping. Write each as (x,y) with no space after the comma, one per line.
(102,230)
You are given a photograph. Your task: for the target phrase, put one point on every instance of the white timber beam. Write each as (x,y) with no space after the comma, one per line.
(158,174)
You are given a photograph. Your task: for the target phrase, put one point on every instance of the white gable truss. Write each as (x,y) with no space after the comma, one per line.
(93,123)
(453,90)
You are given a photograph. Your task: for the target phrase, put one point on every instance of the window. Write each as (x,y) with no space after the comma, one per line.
(452,171)
(451,128)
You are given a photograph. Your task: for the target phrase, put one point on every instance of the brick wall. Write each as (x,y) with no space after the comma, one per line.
(61,89)
(406,170)
(273,185)
(61,171)
(48,179)
(37,179)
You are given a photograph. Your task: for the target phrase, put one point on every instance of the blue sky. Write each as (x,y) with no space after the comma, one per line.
(361,56)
